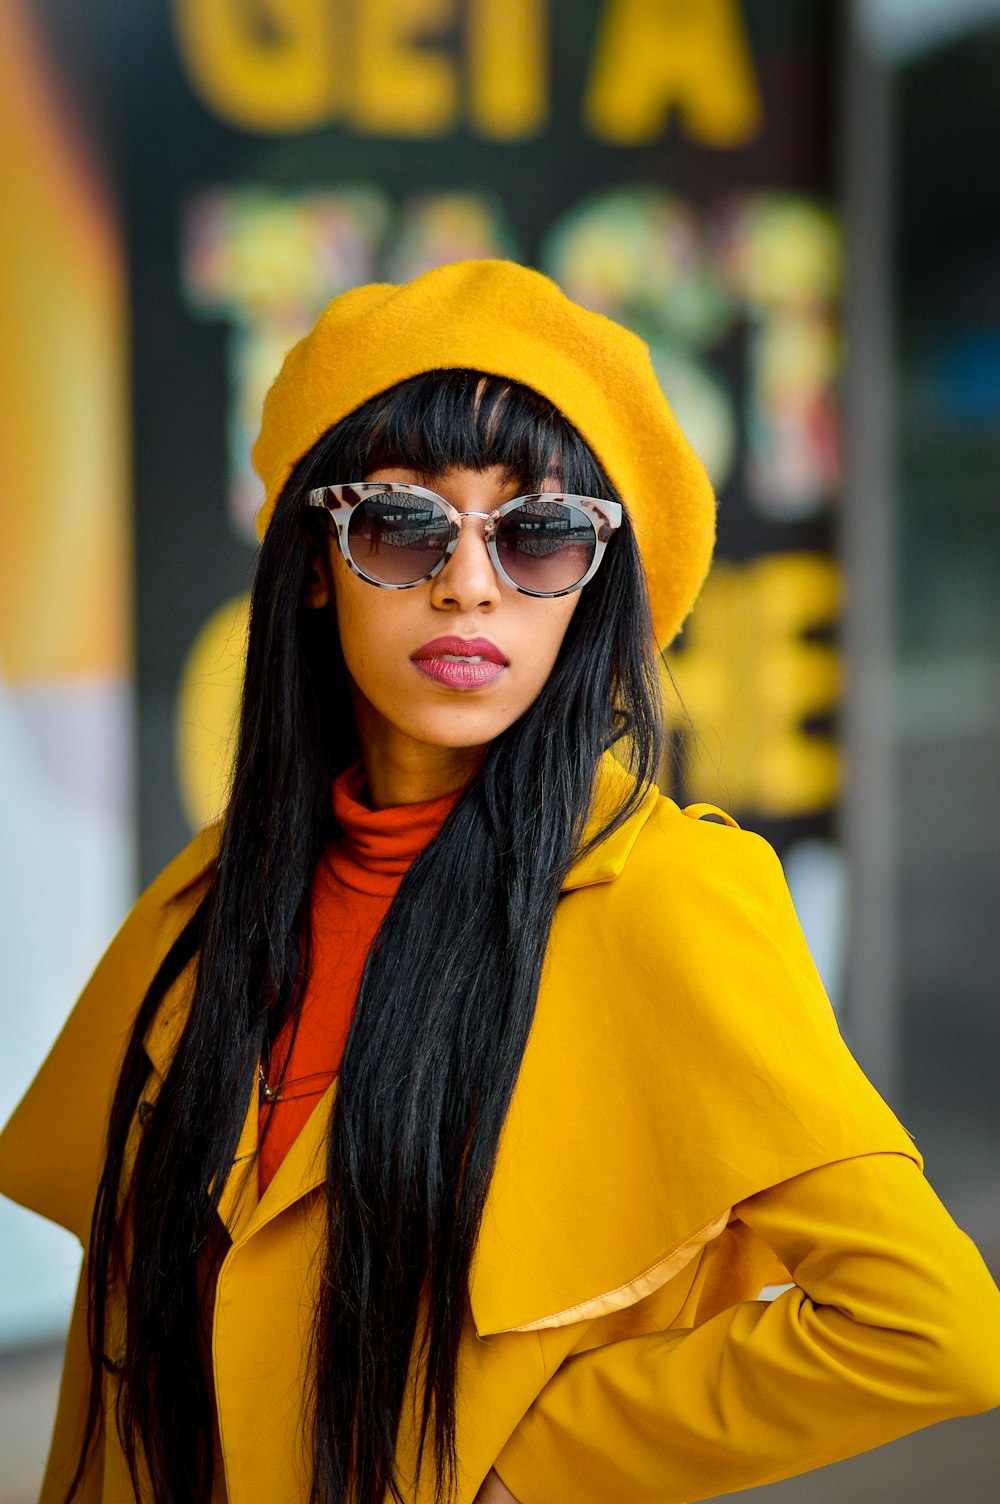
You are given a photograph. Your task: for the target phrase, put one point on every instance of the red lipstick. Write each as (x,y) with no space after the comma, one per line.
(461,662)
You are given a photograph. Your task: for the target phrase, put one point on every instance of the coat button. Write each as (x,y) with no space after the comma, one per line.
(145,1113)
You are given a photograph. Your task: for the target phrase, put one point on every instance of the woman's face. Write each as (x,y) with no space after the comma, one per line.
(441,669)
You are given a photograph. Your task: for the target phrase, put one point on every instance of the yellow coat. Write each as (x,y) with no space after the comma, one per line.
(687,1127)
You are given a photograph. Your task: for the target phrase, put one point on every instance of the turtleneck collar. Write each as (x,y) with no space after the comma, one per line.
(373,848)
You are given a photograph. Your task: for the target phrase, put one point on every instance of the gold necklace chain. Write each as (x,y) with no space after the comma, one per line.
(271,1094)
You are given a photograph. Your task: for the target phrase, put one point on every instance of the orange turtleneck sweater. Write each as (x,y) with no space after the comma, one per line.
(354,884)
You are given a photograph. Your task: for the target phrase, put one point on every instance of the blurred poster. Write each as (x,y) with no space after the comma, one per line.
(66,877)
(668,163)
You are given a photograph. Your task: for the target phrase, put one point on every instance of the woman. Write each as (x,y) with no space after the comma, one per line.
(463,1117)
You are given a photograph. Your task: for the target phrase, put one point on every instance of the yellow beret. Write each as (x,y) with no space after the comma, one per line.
(507,320)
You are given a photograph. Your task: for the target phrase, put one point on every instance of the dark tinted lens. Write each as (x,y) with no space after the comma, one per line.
(396,538)
(546,546)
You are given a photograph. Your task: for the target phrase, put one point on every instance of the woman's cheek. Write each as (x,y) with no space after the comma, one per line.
(368,620)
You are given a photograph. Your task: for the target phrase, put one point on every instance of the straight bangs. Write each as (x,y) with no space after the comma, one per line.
(453,419)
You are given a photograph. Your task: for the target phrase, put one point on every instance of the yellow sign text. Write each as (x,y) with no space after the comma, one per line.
(759,678)
(380,67)
(424,68)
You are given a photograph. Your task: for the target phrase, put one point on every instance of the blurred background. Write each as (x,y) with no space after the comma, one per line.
(796,202)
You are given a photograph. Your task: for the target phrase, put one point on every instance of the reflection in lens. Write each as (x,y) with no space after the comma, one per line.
(396,538)
(546,546)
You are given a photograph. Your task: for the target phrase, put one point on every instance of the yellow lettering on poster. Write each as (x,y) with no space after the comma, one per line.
(263,67)
(401,85)
(799,680)
(208,705)
(754,672)
(656,56)
(508,67)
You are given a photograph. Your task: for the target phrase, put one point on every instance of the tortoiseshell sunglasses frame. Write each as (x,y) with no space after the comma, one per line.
(340,500)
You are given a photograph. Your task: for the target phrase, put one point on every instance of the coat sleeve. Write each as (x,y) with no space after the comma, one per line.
(683,1058)
(52,1149)
(893,1323)
(71,1414)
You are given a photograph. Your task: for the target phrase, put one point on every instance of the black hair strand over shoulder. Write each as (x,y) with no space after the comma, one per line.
(444,1008)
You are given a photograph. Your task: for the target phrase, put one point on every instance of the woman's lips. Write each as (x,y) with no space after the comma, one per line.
(461,662)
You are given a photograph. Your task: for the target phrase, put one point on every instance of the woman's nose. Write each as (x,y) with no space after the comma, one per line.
(468,580)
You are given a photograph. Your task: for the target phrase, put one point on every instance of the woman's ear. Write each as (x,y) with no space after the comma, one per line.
(319,585)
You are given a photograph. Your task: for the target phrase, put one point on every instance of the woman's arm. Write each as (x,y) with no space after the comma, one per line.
(893,1323)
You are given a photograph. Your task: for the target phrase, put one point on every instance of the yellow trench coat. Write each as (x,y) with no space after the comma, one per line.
(687,1127)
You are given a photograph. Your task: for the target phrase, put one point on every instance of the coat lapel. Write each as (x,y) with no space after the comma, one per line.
(304,1167)
(239,1195)
(302,1170)
(239,1200)
(52,1150)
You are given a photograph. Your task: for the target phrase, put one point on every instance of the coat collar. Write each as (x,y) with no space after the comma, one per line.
(612,788)
(606,861)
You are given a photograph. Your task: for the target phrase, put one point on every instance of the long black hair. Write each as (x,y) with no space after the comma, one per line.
(444,1006)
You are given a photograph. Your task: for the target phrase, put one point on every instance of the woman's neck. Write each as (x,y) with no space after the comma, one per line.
(401,770)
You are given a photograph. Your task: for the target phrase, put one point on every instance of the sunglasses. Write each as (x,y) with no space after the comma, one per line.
(396,535)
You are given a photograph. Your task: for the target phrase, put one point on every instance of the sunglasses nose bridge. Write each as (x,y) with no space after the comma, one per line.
(486,516)
(488,519)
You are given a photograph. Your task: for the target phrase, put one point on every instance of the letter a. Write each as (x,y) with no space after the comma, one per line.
(654,56)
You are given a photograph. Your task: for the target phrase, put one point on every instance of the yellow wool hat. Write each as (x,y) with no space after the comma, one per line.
(507,320)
